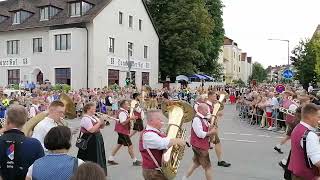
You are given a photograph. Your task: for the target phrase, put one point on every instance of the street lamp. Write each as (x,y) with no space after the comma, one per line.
(129,63)
(284,40)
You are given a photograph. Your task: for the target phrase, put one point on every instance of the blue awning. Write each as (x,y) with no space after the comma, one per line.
(198,76)
(208,77)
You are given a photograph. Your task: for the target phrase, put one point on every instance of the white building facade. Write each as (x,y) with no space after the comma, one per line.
(83,43)
(237,64)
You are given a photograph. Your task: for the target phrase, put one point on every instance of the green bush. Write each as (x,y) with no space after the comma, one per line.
(61,87)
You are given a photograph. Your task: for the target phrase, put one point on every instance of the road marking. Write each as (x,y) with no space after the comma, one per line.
(230,133)
(238,140)
(246,134)
(261,135)
(264,136)
(279,137)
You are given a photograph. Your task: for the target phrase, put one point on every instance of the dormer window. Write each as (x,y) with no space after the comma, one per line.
(47,12)
(20,16)
(79,8)
(2,18)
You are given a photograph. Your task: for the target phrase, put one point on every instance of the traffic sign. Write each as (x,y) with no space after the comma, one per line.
(280,88)
(287,74)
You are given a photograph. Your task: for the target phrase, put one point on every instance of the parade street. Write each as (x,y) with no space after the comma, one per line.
(247,148)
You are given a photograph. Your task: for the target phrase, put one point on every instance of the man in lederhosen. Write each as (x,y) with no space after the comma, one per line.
(200,134)
(123,129)
(152,145)
(138,113)
(212,99)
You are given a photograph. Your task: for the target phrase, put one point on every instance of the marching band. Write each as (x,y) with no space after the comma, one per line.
(154,144)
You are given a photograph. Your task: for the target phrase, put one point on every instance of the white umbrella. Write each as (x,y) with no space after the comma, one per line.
(182,78)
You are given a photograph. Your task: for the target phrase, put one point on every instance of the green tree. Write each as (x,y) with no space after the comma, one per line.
(212,67)
(258,73)
(185,28)
(239,82)
(304,59)
(315,48)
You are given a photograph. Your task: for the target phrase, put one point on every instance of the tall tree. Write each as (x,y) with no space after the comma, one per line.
(212,66)
(315,48)
(258,72)
(185,28)
(303,59)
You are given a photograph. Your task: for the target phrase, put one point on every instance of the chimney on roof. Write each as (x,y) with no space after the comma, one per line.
(243,56)
(249,60)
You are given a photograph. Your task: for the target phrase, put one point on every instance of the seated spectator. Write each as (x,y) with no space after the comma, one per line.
(16,149)
(57,165)
(89,171)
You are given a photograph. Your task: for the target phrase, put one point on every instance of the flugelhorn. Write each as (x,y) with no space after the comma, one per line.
(105,117)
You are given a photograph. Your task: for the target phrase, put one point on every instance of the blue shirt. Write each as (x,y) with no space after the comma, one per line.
(30,150)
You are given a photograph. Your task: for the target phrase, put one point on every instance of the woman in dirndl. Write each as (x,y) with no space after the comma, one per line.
(90,129)
(138,112)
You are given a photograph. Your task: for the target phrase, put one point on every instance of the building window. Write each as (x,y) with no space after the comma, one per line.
(130,49)
(145,78)
(112,61)
(111,45)
(113,77)
(13,76)
(133,77)
(120,17)
(37,45)
(63,42)
(44,13)
(3,18)
(63,76)
(79,8)
(130,21)
(140,24)
(20,16)
(13,47)
(239,69)
(47,12)
(145,52)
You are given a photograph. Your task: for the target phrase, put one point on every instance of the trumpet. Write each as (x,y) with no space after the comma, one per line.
(105,118)
(287,111)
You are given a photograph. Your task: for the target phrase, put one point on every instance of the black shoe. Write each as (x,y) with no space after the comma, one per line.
(112,163)
(282,165)
(224,164)
(277,149)
(136,163)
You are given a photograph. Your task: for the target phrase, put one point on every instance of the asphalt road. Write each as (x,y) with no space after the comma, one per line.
(248,148)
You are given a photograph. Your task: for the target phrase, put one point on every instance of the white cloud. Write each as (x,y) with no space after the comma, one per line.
(252,22)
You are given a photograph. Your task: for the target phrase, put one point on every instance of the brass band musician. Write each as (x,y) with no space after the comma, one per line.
(212,99)
(200,137)
(152,145)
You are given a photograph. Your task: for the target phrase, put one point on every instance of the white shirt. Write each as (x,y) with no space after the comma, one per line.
(29,173)
(293,107)
(34,109)
(310,88)
(42,128)
(313,144)
(197,126)
(269,105)
(274,103)
(123,116)
(152,140)
(110,99)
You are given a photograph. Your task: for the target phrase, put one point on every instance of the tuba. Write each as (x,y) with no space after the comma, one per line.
(70,112)
(179,112)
